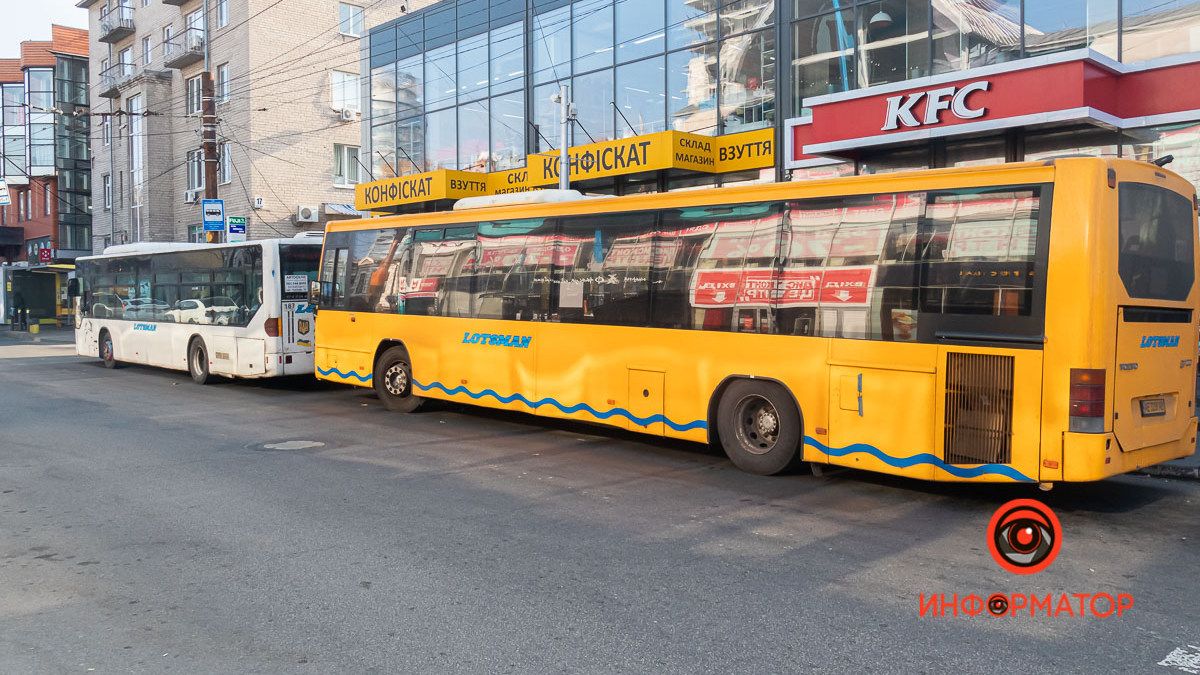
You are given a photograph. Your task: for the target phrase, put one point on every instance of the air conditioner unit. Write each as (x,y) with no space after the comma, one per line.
(191,197)
(307,214)
(349,115)
(259,203)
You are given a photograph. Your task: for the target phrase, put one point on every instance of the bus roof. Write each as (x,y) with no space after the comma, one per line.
(148,247)
(928,179)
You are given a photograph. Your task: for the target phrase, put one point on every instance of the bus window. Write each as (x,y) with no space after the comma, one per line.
(980,251)
(510,257)
(297,261)
(614,281)
(1155,227)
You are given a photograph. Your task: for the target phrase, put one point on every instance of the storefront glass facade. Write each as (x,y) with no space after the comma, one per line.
(468,84)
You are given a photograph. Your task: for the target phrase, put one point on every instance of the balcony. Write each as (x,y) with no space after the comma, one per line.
(113,78)
(184,49)
(116,23)
(177,3)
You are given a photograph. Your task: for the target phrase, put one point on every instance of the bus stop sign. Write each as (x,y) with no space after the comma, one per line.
(213,211)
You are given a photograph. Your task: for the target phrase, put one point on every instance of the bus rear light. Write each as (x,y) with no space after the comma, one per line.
(273,326)
(1087,400)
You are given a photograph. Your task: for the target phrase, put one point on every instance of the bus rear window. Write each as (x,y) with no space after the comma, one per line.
(295,262)
(1156,242)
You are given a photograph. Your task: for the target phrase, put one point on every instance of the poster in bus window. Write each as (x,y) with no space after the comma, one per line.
(796,287)
(643,253)
(904,325)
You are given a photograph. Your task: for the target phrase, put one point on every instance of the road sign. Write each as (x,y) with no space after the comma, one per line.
(213,211)
(237,229)
(4,199)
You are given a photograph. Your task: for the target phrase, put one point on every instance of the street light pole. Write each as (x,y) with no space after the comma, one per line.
(564,157)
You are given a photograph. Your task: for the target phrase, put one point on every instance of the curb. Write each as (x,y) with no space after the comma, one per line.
(1168,471)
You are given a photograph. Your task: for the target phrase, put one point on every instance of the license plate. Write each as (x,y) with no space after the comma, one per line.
(1153,407)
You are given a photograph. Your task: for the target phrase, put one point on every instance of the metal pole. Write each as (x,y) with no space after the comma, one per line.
(564,158)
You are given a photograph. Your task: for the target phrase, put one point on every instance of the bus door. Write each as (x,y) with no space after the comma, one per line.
(1155,371)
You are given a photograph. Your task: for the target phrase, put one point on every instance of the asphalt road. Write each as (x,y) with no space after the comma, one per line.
(145,526)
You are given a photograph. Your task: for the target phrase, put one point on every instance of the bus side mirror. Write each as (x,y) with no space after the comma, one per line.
(314,293)
(73,288)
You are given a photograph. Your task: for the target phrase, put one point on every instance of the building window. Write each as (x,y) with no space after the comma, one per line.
(196,234)
(222,13)
(46,197)
(146,54)
(344,94)
(222,84)
(106,129)
(168,33)
(345,165)
(194,95)
(225,167)
(195,170)
(350,19)
(107,180)
(1152,29)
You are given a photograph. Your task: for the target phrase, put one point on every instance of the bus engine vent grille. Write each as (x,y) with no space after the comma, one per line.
(979,408)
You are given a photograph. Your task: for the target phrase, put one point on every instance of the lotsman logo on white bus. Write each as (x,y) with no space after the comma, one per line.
(148,327)
(1151,341)
(495,340)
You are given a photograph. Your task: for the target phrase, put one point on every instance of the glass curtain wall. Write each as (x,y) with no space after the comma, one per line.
(39,91)
(841,45)
(73,155)
(469,85)
(14,118)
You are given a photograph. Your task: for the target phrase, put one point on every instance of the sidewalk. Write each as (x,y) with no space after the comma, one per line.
(48,335)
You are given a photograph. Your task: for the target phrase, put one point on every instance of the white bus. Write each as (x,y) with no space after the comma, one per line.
(237,310)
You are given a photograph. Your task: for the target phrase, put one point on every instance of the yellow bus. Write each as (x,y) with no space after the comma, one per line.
(1029,322)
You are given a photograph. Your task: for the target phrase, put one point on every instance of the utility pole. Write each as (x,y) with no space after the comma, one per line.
(566,111)
(208,132)
(208,127)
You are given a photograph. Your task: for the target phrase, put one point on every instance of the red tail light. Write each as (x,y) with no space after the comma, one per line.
(1087,399)
(273,327)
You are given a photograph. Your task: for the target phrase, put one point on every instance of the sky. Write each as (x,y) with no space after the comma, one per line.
(31,19)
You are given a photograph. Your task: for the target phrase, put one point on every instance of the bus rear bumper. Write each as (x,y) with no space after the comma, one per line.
(1092,457)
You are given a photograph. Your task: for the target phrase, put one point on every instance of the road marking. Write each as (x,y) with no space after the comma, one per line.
(1185,659)
(294,445)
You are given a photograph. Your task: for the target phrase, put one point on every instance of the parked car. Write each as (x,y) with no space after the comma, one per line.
(217,310)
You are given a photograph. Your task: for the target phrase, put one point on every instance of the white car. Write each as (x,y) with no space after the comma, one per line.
(219,311)
(145,308)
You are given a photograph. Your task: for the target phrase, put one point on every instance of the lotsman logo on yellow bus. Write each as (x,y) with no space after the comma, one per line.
(495,340)
(1152,341)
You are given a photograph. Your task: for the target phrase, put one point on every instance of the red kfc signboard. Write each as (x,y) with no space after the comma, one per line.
(797,287)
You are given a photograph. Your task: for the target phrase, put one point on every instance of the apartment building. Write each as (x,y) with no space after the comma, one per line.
(286,76)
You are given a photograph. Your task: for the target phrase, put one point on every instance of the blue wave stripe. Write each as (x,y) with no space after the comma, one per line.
(345,376)
(923,458)
(598,414)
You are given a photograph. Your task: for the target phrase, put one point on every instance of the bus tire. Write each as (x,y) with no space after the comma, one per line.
(393,381)
(760,427)
(198,361)
(108,353)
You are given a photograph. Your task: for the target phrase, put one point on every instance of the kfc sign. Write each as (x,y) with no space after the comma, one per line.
(901,110)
